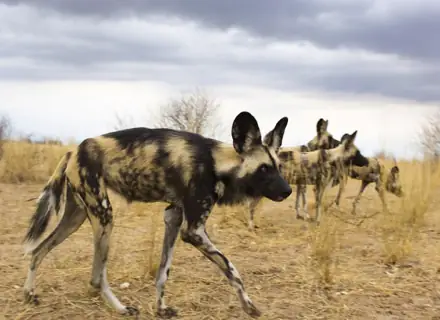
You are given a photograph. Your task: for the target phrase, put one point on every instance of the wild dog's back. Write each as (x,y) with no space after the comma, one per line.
(299,166)
(368,173)
(145,164)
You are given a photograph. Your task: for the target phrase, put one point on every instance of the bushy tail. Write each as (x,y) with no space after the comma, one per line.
(48,202)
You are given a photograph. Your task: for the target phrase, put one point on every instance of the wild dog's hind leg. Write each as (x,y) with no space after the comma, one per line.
(381,191)
(71,220)
(196,235)
(173,217)
(358,197)
(101,217)
(342,183)
(321,188)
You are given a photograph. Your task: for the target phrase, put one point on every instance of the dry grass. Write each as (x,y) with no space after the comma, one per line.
(291,269)
(30,163)
(402,227)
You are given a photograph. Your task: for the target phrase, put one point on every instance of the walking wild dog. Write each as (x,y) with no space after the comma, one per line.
(322,140)
(368,170)
(190,172)
(314,167)
(375,172)
(325,140)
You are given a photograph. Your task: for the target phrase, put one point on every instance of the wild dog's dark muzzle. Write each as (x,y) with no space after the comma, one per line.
(278,190)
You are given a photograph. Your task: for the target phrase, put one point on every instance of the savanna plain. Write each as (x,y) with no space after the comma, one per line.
(373,265)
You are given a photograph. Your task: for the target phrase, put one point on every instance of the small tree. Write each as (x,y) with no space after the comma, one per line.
(194,112)
(123,122)
(430,136)
(5,131)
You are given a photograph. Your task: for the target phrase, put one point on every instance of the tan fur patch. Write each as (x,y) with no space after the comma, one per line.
(225,158)
(181,155)
(72,170)
(297,148)
(253,160)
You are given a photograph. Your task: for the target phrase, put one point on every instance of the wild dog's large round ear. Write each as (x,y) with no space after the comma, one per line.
(320,125)
(352,137)
(245,132)
(274,139)
(395,170)
(348,139)
(345,136)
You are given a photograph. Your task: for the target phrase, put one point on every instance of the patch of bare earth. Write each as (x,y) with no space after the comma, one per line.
(276,262)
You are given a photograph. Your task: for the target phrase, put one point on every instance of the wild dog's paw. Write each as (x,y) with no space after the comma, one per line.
(251,309)
(31,297)
(167,313)
(131,311)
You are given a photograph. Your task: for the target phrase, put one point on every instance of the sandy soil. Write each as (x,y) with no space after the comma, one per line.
(275,261)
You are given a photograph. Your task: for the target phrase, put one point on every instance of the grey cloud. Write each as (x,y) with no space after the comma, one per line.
(89,53)
(412,33)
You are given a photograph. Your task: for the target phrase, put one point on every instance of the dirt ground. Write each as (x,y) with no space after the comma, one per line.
(275,262)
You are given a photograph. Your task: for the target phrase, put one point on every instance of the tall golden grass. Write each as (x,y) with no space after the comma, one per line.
(324,246)
(401,227)
(24,162)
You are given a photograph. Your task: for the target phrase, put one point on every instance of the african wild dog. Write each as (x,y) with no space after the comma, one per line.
(325,140)
(322,140)
(190,172)
(375,172)
(314,167)
(368,170)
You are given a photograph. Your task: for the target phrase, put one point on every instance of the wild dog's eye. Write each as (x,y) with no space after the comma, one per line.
(264,168)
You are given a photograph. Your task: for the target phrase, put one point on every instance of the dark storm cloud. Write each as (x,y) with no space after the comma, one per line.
(95,48)
(400,27)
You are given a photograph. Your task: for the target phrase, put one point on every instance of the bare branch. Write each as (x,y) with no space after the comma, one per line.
(194,112)
(5,127)
(123,122)
(5,131)
(430,136)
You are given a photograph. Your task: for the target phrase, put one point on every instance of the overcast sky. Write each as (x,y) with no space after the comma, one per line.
(66,66)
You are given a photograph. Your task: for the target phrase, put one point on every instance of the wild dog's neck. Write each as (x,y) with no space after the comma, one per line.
(335,153)
(359,160)
(225,158)
(230,188)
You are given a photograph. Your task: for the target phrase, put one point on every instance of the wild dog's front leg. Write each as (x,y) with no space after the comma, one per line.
(252,206)
(198,237)
(298,194)
(301,193)
(304,200)
(321,187)
(173,217)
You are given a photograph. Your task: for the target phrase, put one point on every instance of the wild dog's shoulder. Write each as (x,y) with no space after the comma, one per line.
(289,154)
(295,158)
